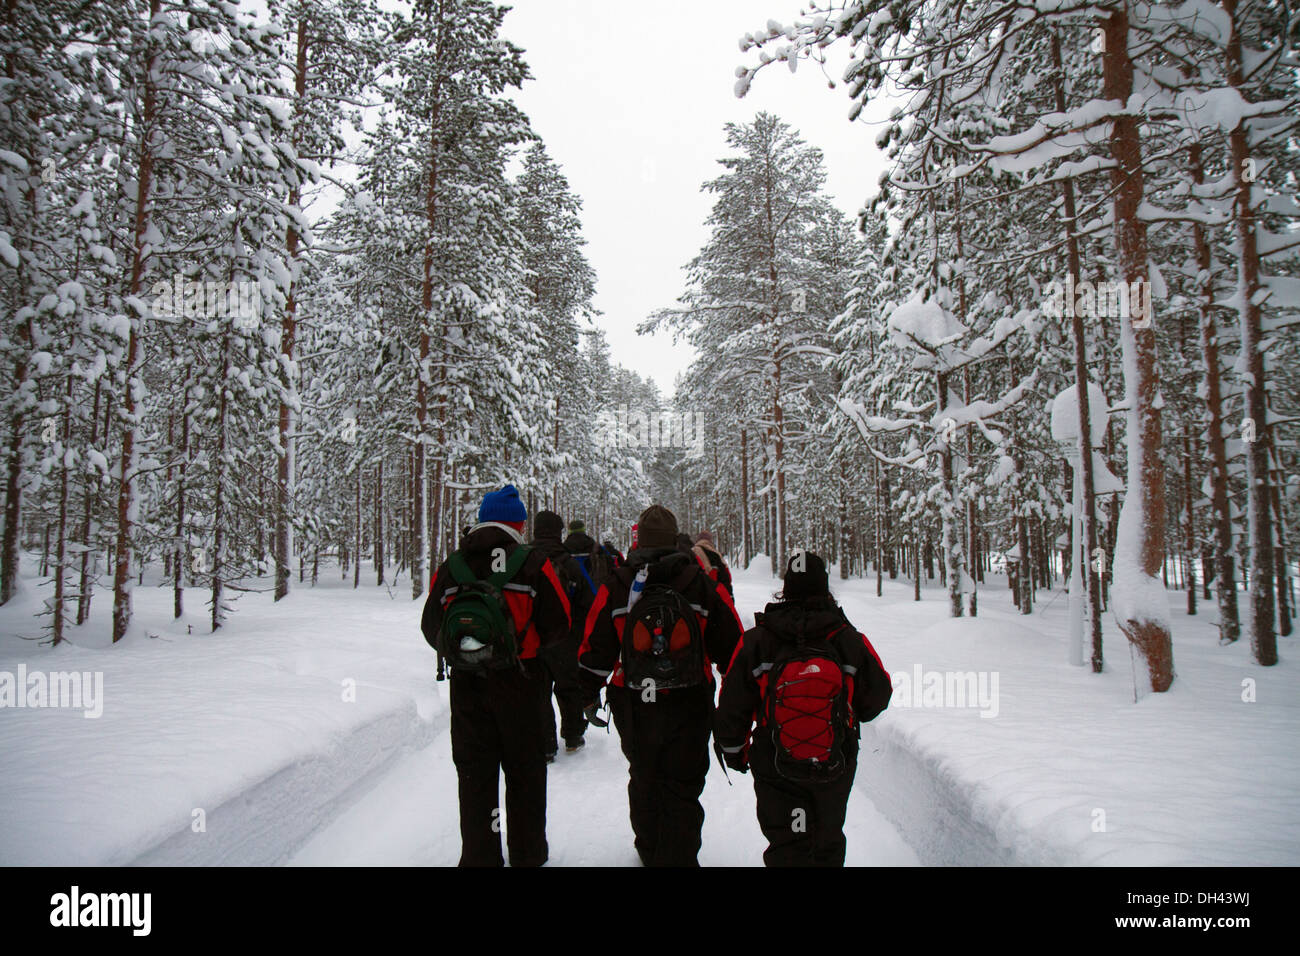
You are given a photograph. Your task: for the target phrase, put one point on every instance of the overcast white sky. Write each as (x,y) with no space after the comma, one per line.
(630,97)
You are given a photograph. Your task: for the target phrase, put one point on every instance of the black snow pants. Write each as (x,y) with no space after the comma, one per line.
(560,675)
(667,748)
(803,823)
(494,727)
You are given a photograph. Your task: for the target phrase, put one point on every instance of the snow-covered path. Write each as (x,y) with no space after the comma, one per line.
(409,816)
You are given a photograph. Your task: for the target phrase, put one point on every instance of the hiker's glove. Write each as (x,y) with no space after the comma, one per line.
(738,761)
(590,710)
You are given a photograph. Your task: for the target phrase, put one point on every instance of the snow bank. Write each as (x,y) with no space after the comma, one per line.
(1071,770)
(258,732)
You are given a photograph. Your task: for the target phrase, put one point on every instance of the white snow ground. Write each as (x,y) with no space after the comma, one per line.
(252,727)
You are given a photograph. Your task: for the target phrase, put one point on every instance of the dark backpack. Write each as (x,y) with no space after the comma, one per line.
(568,581)
(807,710)
(478,631)
(594,568)
(662,640)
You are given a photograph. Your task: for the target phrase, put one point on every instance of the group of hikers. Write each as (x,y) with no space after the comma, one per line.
(517,622)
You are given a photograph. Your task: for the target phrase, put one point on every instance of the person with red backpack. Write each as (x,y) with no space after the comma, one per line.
(493,605)
(802,681)
(654,633)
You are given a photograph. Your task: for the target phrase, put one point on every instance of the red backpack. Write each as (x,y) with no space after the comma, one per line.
(807,707)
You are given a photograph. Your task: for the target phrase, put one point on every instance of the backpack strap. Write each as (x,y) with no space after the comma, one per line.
(459,569)
(461,573)
(844,625)
(582,566)
(516,561)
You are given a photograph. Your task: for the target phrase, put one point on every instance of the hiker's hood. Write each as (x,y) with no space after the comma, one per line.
(793,619)
(488,535)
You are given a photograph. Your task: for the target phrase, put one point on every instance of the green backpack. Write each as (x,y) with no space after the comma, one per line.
(478,632)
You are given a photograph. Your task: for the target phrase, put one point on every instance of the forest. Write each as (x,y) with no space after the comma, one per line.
(285,290)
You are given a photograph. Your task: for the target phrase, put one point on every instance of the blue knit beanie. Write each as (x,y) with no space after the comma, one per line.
(503,506)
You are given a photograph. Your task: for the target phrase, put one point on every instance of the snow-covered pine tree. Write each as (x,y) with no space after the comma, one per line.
(746,310)
(200,89)
(562,284)
(452,68)
(331,50)
(58,339)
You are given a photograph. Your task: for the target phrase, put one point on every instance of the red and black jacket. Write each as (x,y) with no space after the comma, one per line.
(600,657)
(534,595)
(740,704)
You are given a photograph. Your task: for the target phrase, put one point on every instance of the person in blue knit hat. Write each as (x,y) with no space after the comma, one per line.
(503,507)
(496,679)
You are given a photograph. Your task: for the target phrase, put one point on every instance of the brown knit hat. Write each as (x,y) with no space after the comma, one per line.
(547,524)
(656,528)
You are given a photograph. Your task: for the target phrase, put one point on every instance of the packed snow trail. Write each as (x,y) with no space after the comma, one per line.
(410,816)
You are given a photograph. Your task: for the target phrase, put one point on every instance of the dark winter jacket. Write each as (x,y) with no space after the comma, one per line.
(593,558)
(579,543)
(563,561)
(741,702)
(571,578)
(600,657)
(535,595)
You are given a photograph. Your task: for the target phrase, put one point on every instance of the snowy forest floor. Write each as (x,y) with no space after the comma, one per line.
(312,732)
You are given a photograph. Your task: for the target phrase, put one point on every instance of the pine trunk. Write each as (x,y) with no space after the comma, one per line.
(218,486)
(88,510)
(880,540)
(1189,498)
(420,490)
(126,503)
(379,523)
(1090,576)
(1225,559)
(947,513)
(356,519)
(1141,544)
(1263,633)
(1281,578)
(1024,577)
(61,539)
(916,562)
(746,533)
(9,549)
(179,549)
